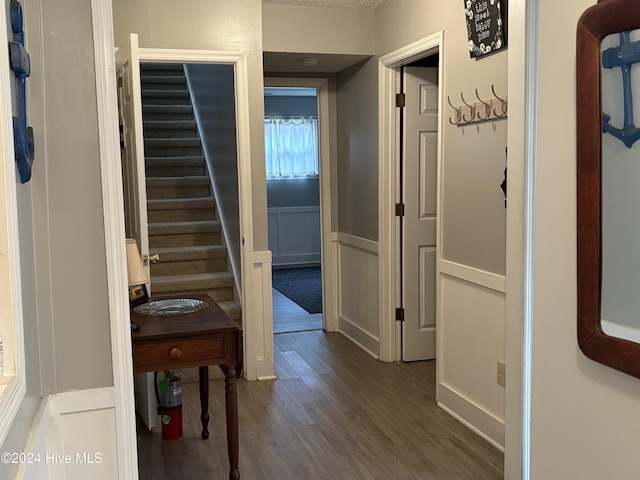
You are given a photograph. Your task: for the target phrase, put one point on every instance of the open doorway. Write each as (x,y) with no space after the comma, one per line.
(293,203)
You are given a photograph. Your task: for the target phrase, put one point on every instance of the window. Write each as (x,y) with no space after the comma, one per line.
(291,147)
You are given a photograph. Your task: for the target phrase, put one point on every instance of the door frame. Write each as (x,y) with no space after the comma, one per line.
(328,247)
(389,143)
(252,323)
(258,329)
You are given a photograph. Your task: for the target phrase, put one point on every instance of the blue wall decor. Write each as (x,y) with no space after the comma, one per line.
(21,66)
(623,56)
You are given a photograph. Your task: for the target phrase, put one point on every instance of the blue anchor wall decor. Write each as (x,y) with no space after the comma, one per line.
(21,66)
(623,56)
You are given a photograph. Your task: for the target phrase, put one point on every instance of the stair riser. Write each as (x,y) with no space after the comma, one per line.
(223,294)
(176,171)
(211,265)
(181,215)
(165,84)
(171,133)
(166,101)
(167,116)
(154,193)
(172,151)
(184,240)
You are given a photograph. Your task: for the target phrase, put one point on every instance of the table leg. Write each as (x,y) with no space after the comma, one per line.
(204,400)
(231,400)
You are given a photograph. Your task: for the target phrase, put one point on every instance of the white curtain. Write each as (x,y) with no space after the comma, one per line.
(291,146)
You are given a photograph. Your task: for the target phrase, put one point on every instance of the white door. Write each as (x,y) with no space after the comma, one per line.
(133,175)
(419,223)
(135,191)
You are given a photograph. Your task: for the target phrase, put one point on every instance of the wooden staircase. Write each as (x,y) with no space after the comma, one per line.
(183,227)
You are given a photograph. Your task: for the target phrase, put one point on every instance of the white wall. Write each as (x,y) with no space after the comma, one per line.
(584,422)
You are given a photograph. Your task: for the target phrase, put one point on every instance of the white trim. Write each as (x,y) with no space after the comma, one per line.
(472,416)
(476,276)
(168,55)
(37,443)
(357,242)
(262,294)
(357,335)
(327,186)
(113,208)
(256,322)
(389,142)
(13,383)
(522,81)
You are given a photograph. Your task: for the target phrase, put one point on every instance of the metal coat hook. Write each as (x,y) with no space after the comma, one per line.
(503,104)
(458,113)
(487,108)
(472,109)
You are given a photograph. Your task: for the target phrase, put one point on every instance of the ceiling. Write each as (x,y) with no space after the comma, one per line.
(281,62)
(328,3)
(287,62)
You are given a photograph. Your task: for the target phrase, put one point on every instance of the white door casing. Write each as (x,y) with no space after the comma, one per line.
(389,81)
(135,190)
(420,157)
(133,172)
(328,182)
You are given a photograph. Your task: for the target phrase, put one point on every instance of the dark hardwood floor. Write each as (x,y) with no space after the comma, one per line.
(333,413)
(290,317)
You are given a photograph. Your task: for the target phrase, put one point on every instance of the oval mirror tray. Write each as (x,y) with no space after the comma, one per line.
(176,306)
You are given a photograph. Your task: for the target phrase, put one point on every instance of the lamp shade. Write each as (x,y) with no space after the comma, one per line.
(135,270)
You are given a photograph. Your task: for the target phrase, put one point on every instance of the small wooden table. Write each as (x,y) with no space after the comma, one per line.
(199,339)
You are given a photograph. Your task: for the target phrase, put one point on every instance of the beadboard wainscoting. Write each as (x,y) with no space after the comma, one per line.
(358,310)
(73,436)
(470,343)
(294,235)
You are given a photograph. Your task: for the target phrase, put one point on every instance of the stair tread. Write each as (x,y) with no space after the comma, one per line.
(162,78)
(169,108)
(187,160)
(218,277)
(162,141)
(165,124)
(150,92)
(178,181)
(180,203)
(190,250)
(190,226)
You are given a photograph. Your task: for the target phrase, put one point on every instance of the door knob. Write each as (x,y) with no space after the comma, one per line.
(154,258)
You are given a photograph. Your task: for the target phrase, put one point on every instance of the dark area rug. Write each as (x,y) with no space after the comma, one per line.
(302,285)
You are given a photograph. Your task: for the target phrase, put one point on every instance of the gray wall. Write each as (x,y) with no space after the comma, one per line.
(474,217)
(213,96)
(65,298)
(357,116)
(290,106)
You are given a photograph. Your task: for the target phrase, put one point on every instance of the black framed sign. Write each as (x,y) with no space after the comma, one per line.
(485,28)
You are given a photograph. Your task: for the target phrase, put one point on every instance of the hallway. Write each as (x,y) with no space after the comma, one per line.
(334,413)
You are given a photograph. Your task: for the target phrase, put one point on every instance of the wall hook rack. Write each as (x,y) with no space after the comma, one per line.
(481,111)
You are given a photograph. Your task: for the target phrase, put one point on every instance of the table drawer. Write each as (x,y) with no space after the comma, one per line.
(178,353)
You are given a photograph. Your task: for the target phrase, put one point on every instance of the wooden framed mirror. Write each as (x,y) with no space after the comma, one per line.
(608,182)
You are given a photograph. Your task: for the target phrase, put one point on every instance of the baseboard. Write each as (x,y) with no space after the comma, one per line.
(357,335)
(472,416)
